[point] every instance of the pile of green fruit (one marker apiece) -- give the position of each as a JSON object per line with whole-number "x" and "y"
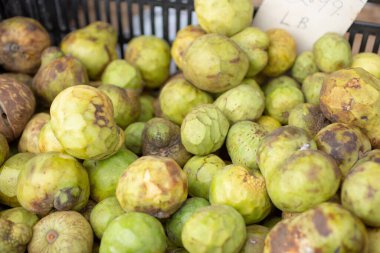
{"x": 248, "y": 148}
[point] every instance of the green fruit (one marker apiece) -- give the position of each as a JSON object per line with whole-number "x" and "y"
{"x": 344, "y": 143}
{"x": 13, "y": 237}
{"x": 268, "y": 123}
{"x": 151, "y": 56}
{"x": 133, "y": 137}
{"x": 367, "y": 61}
{"x": 243, "y": 140}
{"x": 154, "y": 185}
{"x": 373, "y": 155}
{"x": 9, "y": 174}
{"x": 306, "y": 179}
{"x": 215, "y": 63}
{"x": 311, "y": 87}
{"x": 279, "y": 145}
{"x": 308, "y": 117}
{"x": 304, "y": 66}
{"x": 361, "y": 192}
{"x": 103, "y": 214}
{"x": 126, "y": 104}
{"x": 182, "y": 41}
{"x": 325, "y": 228}
{"x": 82, "y": 119}
{"x": 29, "y": 138}
{"x": 134, "y": 232}
{"x": 254, "y": 43}
{"x": 49, "y": 55}
{"x": 204, "y": 130}
{"x": 242, "y": 189}
{"x": 200, "y": 170}
{"x": 174, "y": 225}
{"x": 282, "y": 52}
{"x": 47, "y": 142}
{"x": 373, "y": 240}
{"x": 181, "y": 93}
{"x": 212, "y": 229}
{"x": 244, "y": 102}
{"x": 104, "y": 174}
{"x": 332, "y": 52}
{"x": 255, "y": 239}
{"x": 122, "y": 74}
{"x": 22, "y": 41}
{"x": 4, "y": 149}
{"x": 52, "y": 180}
{"x": 20, "y": 215}
{"x": 147, "y": 110}
{"x": 161, "y": 137}
{"x": 63, "y": 232}
{"x": 224, "y": 17}
{"x": 352, "y": 96}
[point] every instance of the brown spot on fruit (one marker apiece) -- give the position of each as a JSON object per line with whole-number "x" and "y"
{"x": 370, "y": 192}
{"x": 354, "y": 83}
{"x": 320, "y": 223}
{"x": 51, "y": 236}
{"x": 235, "y": 60}
{"x": 284, "y": 240}
{"x": 60, "y": 67}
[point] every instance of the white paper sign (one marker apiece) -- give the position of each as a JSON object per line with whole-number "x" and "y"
{"x": 307, "y": 20}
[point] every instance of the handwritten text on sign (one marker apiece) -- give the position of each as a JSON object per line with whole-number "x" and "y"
{"x": 307, "y": 20}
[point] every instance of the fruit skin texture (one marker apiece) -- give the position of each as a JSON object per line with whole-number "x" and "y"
{"x": 367, "y": 61}
{"x": 134, "y": 232}
{"x": 244, "y": 102}
{"x": 268, "y": 123}
{"x": 47, "y": 142}
{"x": 204, "y": 130}
{"x": 147, "y": 110}
{"x": 306, "y": 179}
{"x": 184, "y": 38}
{"x": 17, "y": 107}
{"x": 255, "y": 239}
{"x": 345, "y": 143}
{"x": 53, "y": 180}
{"x": 161, "y": 137}
{"x": 311, "y": 87}
{"x": 22, "y": 41}
{"x": 174, "y": 225}
{"x": 243, "y": 140}
{"x": 4, "y": 149}
{"x": 154, "y": 185}
{"x": 151, "y": 56}
{"x": 332, "y": 52}
{"x": 216, "y": 228}
{"x": 82, "y": 119}
{"x": 242, "y": 189}
{"x": 282, "y": 52}
{"x": 133, "y": 137}
{"x": 104, "y": 174}
{"x": 304, "y": 66}
{"x": 224, "y": 17}
{"x": 325, "y": 228}
{"x": 103, "y": 214}
{"x": 181, "y": 93}
{"x": 20, "y": 215}
{"x": 122, "y": 74}
{"x": 64, "y": 232}
{"x": 14, "y": 237}
{"x": 215, "y": 63}
{"x": 9, "y": 174}
{"x": 352, "y": 96}
{"x": 361, "y": 192}
{"x": 373, "y": 240}
{"x": 200, "y": 170}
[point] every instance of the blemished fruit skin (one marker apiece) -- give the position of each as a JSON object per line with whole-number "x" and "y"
{"x": 29, "y": 139}
{"x": 14, "y": 236}
{"x": 255, "y": 239}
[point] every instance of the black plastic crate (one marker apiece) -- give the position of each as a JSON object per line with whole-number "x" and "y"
{"x": 135, "y": 17}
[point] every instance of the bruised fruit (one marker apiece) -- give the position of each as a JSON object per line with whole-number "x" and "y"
{"x": 216, "y": 228}
{"x": 255, "y": 239}
{"x": 154, "y": 185}
{"x": 311, "y": 87}
{"x": 200, "y": 171}
{"x": 47, "y": 142}
{"x": 304, "y": 66}
{"x": 268, "y": 123}
{"x": 29, "y": 138}
{"x": 20, "y": 215}
{"x": 14, "y": 237}
{"x": 367, "y": 61}
{"x": 133, "y": 137}
{"x": 22, "y": 41}
{"x": 215, "y": 63}
{"x": 19, "y": 77}
{"x": 64, "y": 232}
{"x": 70, "y": 189}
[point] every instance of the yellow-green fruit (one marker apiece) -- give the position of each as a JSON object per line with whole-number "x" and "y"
{"x": 204, "y": 130}
{"x": 4, "y": 149}
{"x": 367, "y": 61}
{"x": 181, "y": 93}
{"x": 183, "y": 40}
{"x": 304, "y": 180}
{"x": 254, "y": 43}
{"x": 47, "y": 142}
{"x": 304, "y": 66}
{"x": 282, "y": 52}
{"x": 224, "y": 17}
{"x": 373, "y": 240}
{"x": 14, "y": 237}
{"x": 332, "y": 52}
{"x": 147, "y": 110}
{"x": 20, "y": 215}
{"x": 82, "y": 119}
{"x": 133, "y": 137}
{"x": 352, "y": 96}
{"x": 242, "y": 189}
{"x": 215, "y": 63}
{"x": 326, "y": 228}
{"x": 268, "y": 123}
{"x": 53, "y": 180}
{"x": 311, "y": 87}
{"x": 151, "y": 56}
{"x": 154, "y": 185}
{"x": 29, "y": 138}
{"x": 9, "y": 174}
{"x": 373, "y": 155}
{"x": 255, "y": 239}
